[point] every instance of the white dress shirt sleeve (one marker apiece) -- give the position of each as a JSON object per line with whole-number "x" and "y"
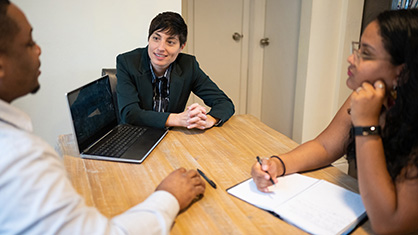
{"x": 36, "y": 196}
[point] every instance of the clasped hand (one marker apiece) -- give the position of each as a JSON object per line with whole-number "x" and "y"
{"x": 194, "y": 117}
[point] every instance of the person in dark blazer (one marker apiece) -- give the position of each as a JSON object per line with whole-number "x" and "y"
{"x": 155, "y": 82}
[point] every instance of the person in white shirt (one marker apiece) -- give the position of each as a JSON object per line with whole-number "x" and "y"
{"x": 36, "y": 196}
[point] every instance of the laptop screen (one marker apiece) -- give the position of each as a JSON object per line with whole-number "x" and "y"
{"x": 92, "y": 111}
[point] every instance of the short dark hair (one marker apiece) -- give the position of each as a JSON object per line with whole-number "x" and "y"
{"x": 171, "y": 22}
{"x": 8, "y": 28}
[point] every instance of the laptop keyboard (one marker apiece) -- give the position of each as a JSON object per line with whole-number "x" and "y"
{"x": 122, "y": 138}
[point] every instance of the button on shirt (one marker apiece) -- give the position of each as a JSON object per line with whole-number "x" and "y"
{"x": 36, "y": 196}
{"x": 161, "y": 86}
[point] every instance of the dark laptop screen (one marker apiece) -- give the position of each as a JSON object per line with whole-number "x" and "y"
{"x": 92, "y": 111}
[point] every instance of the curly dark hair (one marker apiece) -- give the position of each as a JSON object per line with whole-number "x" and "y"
{"x": 399, "y": 32}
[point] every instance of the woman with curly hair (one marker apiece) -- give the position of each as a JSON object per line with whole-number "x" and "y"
{"x": 377, "y": 126}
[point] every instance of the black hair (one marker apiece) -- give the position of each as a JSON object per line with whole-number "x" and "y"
{"x": 399, "y": 32}
{"x": 3, "y": 6}
{"x": 8, "y": 28}
{"x": 171, "y": 22}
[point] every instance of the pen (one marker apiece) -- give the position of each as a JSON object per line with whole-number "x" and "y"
{"x": 259, "y": 161}
{"x": 207, "y": 179}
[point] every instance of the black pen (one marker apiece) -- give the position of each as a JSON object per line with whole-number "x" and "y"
{"x": 259, "y": 161}
{"x": 207, "y": 179}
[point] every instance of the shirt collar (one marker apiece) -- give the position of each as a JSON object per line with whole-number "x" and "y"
{"x": 166, "y": 73}
{"x": 14, "y": 117}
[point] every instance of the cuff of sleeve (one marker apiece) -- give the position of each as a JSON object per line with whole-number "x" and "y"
{"x": 219, "y": 123}
{"x": 154, "y": 215}
{"x": 166, "y": 202}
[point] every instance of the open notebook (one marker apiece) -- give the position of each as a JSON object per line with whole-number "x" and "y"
{"x": 96, "y": 128}
{"x": 315, "y": 206}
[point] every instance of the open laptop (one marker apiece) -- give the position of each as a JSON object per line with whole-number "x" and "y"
{"x": 96, "y": 126}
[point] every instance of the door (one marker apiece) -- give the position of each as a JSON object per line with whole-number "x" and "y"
{"x": 280, "y": 64}
{"x": 270, "y": 76}
{"x": 217, "y": 39}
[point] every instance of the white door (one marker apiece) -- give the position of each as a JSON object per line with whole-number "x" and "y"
{"x": 212, "y": 25}
{"x": 280, "y": 64}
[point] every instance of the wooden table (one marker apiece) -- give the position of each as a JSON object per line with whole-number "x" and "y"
{"x": 225, "y": 154}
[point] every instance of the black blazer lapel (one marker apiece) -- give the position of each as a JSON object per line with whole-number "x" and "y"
{"x": 144, "y": 82}
{"x": 176, "y": 87}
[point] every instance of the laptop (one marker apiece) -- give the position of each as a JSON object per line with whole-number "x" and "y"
{"x": 97, "y": 132}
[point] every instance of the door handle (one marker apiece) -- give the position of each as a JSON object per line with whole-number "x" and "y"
{"x": 264, "y": 42}
{"x": 237, "y": 37}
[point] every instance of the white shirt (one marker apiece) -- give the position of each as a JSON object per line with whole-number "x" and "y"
{"x": 36, "y": 196}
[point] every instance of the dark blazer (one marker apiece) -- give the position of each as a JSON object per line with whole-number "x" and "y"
{"x": 135, "y": 91}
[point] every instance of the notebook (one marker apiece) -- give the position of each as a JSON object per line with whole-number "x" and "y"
{"x": 315, "y": 206}
{"x": 96, "y": 129}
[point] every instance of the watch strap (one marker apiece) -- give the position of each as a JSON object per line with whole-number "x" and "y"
{"x": 367, "y": 130}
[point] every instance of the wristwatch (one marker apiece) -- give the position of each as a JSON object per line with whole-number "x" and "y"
{"x": 367, "y": 130}
{"x": 218, "y": 123}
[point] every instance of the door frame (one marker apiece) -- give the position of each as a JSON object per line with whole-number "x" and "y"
{"x": 256, "y": 57}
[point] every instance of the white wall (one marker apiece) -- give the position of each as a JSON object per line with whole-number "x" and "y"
{"x": 326, "y": 31}
{"x": 78, "y": 38}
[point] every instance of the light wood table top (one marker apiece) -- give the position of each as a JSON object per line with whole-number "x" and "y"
{"x": 225, "y": 154}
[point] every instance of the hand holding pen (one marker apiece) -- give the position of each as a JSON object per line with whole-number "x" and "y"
{"x": 261, "y": 166}
{"x": 259, "y": 176}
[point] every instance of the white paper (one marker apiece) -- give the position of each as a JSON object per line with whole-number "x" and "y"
{"x": 316, "y": 206}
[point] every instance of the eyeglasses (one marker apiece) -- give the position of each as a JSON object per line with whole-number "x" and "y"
{"x": 359, "y": 54}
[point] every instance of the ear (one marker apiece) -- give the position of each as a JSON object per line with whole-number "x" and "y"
{"x": 182, "y": 46}
{"x": 399, "y": 70}
{"x": 2, "y": 66}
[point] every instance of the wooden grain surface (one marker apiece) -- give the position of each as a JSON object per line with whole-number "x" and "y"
{"x": 225, "y": 154}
